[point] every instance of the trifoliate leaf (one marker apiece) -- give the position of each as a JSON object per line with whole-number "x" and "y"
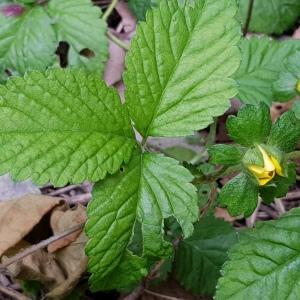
{"x": 27, "y": 42}
{"x": 140, "y": 7}
{"x": 265, "y": 264}
{"x": 285, "y": 133}
{"x": 279, "y": 186}
{"x": 78, "y": 23}
{"x": 179, "y": 66}
{"x": 252, "y": 125}
{"x": 262, "y": 61}
{"x": 285, "y": 88}
{"x": 240, "y": 195}
{"x": 271, "y": 16}
{"x": 150, "y": 189}
{"x": 200, "y": 257}
{"x": 62, "y": 126}
{"x": 225, "y": 154}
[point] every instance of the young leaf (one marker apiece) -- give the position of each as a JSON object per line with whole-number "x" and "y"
{"x": 265, "y": 263}
{"x": 27, "y": 42}
{"x": 285, "y": 88}
{"x": 150, "y": 189}
{"x": 200, "y": 257}
{"x": 140, "y": 7}
{"x": 262, "y": 61}
{"x": 62, "y": 126}
{"x": 285, "y": 133}
{"x": 78, "y": 23}
{"x": 240, "y": 195}
{"x": 271, "y": 16}
{"x": 179, "y": 66}
{"x": 225, "y": 154}
{"x": 251, "y": 125}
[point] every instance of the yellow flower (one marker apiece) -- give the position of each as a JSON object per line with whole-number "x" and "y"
{"x": 267, "y": 172}
{"x": 298, "y": 86}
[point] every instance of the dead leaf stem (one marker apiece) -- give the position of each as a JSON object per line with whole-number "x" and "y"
{"x": 40, "y": 245}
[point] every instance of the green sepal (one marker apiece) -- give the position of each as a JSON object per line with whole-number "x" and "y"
{"x": 240, "y": 195}
{"x": 226, "y": 155}
{"x": 251, "y": 126}
{"x": 279, "y": 186}
{"x": 253, "y": 156}
{"x": 285, "y": 133}
{"x": 285, "y": 88}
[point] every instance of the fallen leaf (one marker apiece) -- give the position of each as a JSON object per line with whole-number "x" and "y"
{"x": 18, "y": 217}
{"x": 297, "y": 34}
{"x": 61, "y": 220}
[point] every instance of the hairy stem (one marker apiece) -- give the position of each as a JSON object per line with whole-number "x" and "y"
{"x": 40, "y": 245}
{"x": 249, "y": 16}
{"x": 109, "y": 9}
{"x": 117, "y": 41}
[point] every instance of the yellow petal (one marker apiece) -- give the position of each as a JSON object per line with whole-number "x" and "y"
{"x": 268, "y": 164}
{"x": 277, "y": 166}
{"x": 256, "y": 170}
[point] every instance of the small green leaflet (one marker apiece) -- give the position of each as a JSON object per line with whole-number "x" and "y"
{"x": 79, "y": 24}
{"x": 200, "y": 257}
{"x": 240, "y": 195}
{"x": 179, "y": 66}
{"x": 150, "y": 189}
{"x": 21, "y": 38}
{"x": 266, "y": 262}
{"x": 29, "y": 41}
{"x": 252, "y": 125}
{"x": 271, "y": 16}
{"x": 225, "y": 154}
{"x": 62, "y": 126}
{"x": 285, "y": 88}
{"x": 262, "y": 61}
{"x": 140, "y": 7}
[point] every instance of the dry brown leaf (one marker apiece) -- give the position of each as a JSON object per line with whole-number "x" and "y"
{"x": 297, "y": 34}
{"x": 278, "y": 108}
{"x": 18, "y": 217}
{"x": 222, "y": 213}
{"x": 61, "y": 220}
{"x": 73, "y": 261}
{"x": 40, "y": 266}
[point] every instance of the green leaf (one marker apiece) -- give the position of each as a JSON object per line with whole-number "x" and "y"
{"x": 262, "y": 61}
{"x": 179, "y": 66}
{"x": 285, "y": 88}
{"x": 180, "y": 153}
{"x": 27, "y": 42}
{"x": 78, "y": 23}
{"x": 62, "y": 126}
{"x": 265, "y": 263}
{"x": 296, "y": 109}
{"x": 126, "y": 275}
{"x": 225, "y": 154}
{"x": 140, "y": 7}
{"x": 150, "y": 189}
{"x": 285, "y": 133}
{"x": 252, "y": 125}
{"x": 240, "y": 195}
{"x": 271, "y": 16}
{"x": 200, "y": 257}
{"x": 279, "y": 186}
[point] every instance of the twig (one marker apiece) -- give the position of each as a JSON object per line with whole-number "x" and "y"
{"x": 40, "y": 245}
{"x": 250, "y": 222}
{"x": 109, "y": 9}
{"x": 12, "y": 293}
{"x": 249, "y": 16}
{"x": 212, "y": 197}
{"x": 279, "y": 206}
{"x": 63, "y": 190}
{"x": 161, "y": 295}
{"x": 117, "y": 41}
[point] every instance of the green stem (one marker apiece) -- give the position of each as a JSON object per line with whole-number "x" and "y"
{"x": 117, "y": 41}
{"x": 211, "y": 138}
{"x": 109, "y": 9}
{"x": 249, "y": 16}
